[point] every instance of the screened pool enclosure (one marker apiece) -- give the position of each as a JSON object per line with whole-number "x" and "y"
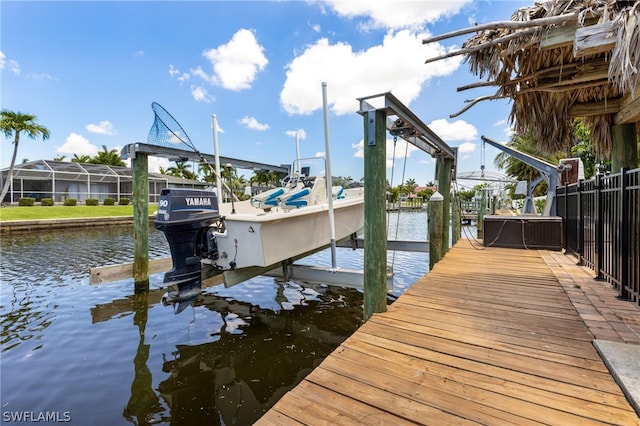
{"x": 61, "y": 179}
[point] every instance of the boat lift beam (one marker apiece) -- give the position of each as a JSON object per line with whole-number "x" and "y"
{"x": 407, "y": 126}
{"x": 131, "y": 150}
{"x": 549, "y": 172}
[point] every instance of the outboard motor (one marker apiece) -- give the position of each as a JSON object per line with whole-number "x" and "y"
{"x": 185, "y": 215}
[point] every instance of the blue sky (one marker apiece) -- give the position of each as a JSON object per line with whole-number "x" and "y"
{"x": 90, "y": 70}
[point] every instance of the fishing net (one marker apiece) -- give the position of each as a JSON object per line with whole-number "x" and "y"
{"x": 166, "y": 131}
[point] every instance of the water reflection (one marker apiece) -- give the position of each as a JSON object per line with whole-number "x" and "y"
{"x": 143, "y": 403}
{"x": 250, "y": 357}
{"x": 251, "y": 365}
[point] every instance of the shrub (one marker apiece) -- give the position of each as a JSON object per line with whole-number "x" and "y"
{"x": 70, "y": 201}
{"x": 92, "y": 202}
{"x": 26, "y": 201}
{"x": 46, "y": 202}
{"x": 124, "y": 202}
{"x": 109, "y": 201}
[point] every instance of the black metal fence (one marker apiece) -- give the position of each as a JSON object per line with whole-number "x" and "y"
{"x": 602, "y": 227}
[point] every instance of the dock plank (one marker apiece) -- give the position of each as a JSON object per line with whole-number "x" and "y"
{"x": 487, "y": 337}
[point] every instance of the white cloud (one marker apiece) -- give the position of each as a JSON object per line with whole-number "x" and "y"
{"x": 104, "y": 128}
{"x": 138, "y": 54}
{"x": 397, "y": 65}
{"x": 156, "y": 162}
{"x": 173, "y": 71}
{"x": 78, "y": 144}
{"x": 302, "y": 135}
{"x": 9, "y": 64}
{"x": 252, "y": 123}
{"x": 458, "y": 130}
{"x": 201, "y": 94}
{"x": 467, "y": 148}
{"x": 199, "y": 72}
{"x": 182, "y": 77}
{"x": 395, "y": 14}
{"x": 42, "y": 76}
{"x": 236, "y": 64}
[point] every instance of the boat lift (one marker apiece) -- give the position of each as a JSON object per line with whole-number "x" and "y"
{"x": 548, "y": 172}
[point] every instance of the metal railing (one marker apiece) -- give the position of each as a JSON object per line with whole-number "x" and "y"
{"x": 602, "y": 227}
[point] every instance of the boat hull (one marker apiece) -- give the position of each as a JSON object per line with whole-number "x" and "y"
{"x": 263, "y": 239}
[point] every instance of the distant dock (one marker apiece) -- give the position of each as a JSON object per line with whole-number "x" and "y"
{"x": 489, "y": 336}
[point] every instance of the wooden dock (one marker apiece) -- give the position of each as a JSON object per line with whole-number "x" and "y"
{"x": 486, "y": 337}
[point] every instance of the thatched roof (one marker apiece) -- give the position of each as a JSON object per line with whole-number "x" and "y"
{"x": 559, "y": 60}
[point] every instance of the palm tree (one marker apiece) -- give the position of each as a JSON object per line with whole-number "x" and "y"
{"x": 527, "y": 143}
{"x": 80, "y": 158}
{"x": 108, "y": 157}
{"x": 59, "y": 157}
{"x": 181, "y": 169}
{"x": 410, "y": 185}
{"x": 13, "y": 123}
{"x": 208, "y": 172}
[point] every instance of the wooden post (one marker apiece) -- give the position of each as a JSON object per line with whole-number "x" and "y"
{"x": 624, "y": 148}
{"x": 481, "y": 212}
{"x": 140, "y": 165}
{"x": 456, "y": 219}
{"x": 375, "y": 251}
{"x": 443, "y": 167}
{"x": 436, "y": 223}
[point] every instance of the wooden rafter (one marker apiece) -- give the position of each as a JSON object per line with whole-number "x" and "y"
{"x": 512, "y": 25}
{"x": 472, "y": 102}
{"x": 482, "y": 46}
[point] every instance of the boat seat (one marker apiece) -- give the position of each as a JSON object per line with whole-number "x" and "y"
{"x": 272, "y": 199}
{"x": 268, "y": 199}
{"x": 297, "y": 199}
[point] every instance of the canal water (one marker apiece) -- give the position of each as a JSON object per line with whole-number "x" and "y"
{"x": 99, "y": 355}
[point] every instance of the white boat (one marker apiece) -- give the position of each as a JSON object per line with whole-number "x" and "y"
{"x": 283, "y": 223}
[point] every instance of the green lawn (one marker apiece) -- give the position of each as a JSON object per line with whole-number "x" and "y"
{"x": 58, "y": 212}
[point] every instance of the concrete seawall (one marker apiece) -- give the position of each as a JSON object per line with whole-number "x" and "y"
{"x": 16, "y": 226}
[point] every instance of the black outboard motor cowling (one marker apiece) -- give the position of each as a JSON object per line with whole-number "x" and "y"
{"x": 184, "y": 215}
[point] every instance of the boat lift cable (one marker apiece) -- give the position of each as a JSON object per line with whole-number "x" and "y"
{"x": 482, "y": 158}
{"x": 404, "y": 169}
{"x": 393, "y": 168}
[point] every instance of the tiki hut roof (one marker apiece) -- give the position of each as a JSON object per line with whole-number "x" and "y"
{"x": 560, "y": 60}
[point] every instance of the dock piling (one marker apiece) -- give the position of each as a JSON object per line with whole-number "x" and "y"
{"x": 435, "y": 214}
{"x": 443, "y": 174}
{"x": 140, "y": 165}
{"x": 375, "y": 252}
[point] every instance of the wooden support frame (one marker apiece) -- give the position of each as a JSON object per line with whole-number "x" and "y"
{"x": 377, "y": 120}
{"x": 140, "y": 165}
{"x": 375, "y": 253}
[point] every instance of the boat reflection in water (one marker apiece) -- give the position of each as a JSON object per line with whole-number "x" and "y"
{"x": 253, "y": 357}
